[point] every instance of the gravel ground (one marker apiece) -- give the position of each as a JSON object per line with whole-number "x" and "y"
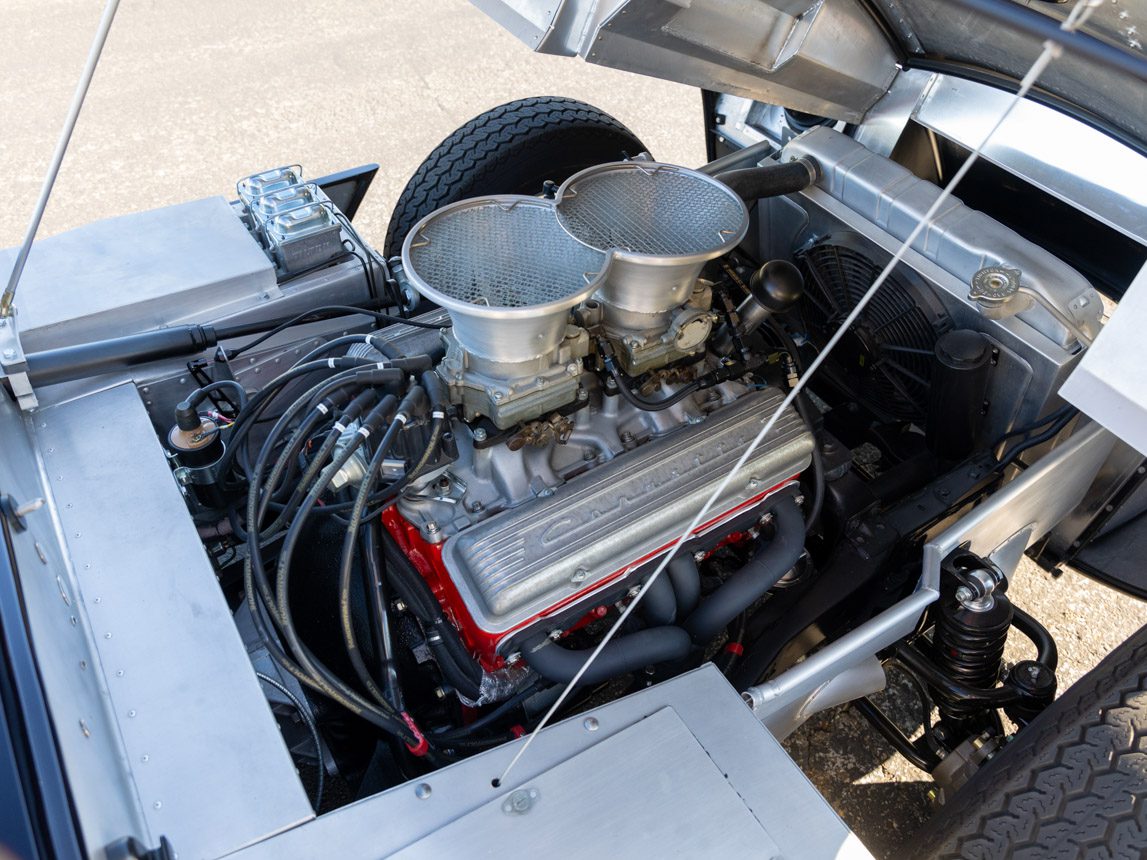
{"x": 190, "y": 97}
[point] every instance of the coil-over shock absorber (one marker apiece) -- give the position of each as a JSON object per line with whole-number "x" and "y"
{"x": 972, "y": 625}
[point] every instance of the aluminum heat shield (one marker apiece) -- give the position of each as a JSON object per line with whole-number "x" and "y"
{"x": 525, "y": 563}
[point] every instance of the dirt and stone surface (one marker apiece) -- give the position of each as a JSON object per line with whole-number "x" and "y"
{"x": 191, "y": 97}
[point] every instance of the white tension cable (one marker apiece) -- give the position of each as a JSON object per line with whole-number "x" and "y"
{"x": 1079, "y": 14}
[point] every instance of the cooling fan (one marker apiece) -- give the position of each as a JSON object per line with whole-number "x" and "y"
{"x": 885, "y": 360}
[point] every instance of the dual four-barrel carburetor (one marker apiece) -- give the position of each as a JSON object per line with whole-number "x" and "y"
{"x": 620, "y": 245}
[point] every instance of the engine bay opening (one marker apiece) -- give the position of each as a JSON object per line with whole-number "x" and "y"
{"x": 425, "y": 524}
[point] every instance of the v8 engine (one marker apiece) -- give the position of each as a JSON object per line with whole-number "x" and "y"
{"x": 600, "y": 415}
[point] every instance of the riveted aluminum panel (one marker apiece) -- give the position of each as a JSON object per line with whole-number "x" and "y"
{"x": 686, "y": 809}
{"x": 796, "y": 819}
{"x": 200, "y": 749}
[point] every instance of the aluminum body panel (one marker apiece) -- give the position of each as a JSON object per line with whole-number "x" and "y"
{"x": 107, "y": 805}
{"x": 131, "y": 273}
{"x": 1108, "y": 384}
{"x": 1000, "y": 528}
{"x": 964, "y": 37}
{"x": 826, "y": 57}
{"x": 960, "y": 240}
{"x": 523, "y": 562}
{"x": 797, "y": 819}
{"x": 202, "y": 753}
{"x": 1072, "y": 161}
{"x": 686, "y": 810}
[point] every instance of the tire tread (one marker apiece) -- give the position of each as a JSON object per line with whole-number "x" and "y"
{"x": 487, "y": 147}
{"x": 1072, "y": 784}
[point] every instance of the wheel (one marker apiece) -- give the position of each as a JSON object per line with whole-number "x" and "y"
{"x": 511, "y": 149}
{"x": 1072, "y": 784}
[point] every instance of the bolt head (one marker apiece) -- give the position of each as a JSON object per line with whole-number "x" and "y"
{"x": 9, "y": 353}
{"x": 479, "y": 434}
{"x": 579, "y": 575}
{"x": 964, "y": 594}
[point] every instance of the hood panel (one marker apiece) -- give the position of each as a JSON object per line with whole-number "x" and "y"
{"x": 941, "y": 30}
{"x": 826, "y": 57}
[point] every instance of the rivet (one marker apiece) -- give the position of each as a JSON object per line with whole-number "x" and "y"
{"x": 422, "y": 791}
{"x": 131, "y": 713}
{"x": 591, "y": 724}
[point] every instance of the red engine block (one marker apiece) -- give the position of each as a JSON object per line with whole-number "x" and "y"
{"x": 427, "y": 559}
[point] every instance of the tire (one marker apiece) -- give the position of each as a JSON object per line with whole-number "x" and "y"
{"x": 1072, "y": 784}
{"x": 510, "y": 149}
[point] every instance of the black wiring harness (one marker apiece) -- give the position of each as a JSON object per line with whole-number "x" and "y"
{"x": 375, "y": 408}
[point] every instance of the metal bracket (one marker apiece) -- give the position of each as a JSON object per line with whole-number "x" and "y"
{"x": 13, "y": 366}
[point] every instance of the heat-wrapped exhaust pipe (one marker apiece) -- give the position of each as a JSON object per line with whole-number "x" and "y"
{"x": 760, "y": 573}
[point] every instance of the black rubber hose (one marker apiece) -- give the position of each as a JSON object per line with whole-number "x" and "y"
{"x": 199, "y": 394}
{"x": 488, "y": 719}
{"x": 660, "y": 603}
{"x": 643, "y": 403}
{"x": 760, "y": 573}
{"x": 1038, "y": 439}
{"x": 686, "y": 579}
{"x": 380, "y": 618}
{"x": 771, "y": 180}
{"x": 1046, "y": 652}
{"x": 623, "y": 654}
{"x": 454, "y": 672}
{"x": 410, "y": 585}
{"x": 804, "y": 409}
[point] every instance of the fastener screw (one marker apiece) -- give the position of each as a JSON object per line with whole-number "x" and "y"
{"x": 479, "y": 434}
{"x": 591, "y": 724}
